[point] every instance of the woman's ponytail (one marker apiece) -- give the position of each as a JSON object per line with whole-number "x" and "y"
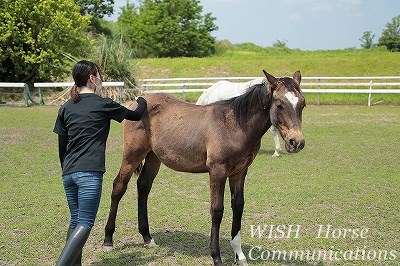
{"x": 74, "y": 93}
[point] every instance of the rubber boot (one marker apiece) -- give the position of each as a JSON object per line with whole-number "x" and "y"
{"x": 69, "y": 232}
{"x": 74, "y": 245}
{"x": 78, "y": 261}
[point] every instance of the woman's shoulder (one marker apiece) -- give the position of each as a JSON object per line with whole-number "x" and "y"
{"x": 66, "y": 104}
{"x": 92, "y": 100}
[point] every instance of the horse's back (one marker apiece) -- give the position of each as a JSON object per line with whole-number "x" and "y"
{"x": 221, "y": 90}
{"x": 224, "y": 90}
{"x": 166, "y": 112}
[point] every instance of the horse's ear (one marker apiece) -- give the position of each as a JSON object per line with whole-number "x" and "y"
{"x": 297, "y": 77}
{"x": 271, "y": 79}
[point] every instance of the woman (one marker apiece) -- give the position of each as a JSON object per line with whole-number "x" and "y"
{"x": 83, "y": 125}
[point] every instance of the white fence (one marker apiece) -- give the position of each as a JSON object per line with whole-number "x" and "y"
{"x": 319, "y": 85}
{"x": 43, "y": 85}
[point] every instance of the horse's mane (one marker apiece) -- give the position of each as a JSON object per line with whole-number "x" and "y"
{"x": 254, "y": 99}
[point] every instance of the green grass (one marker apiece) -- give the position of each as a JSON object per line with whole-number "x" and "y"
{"x": 347, "y": 176}
{"x": 279, "y": 62}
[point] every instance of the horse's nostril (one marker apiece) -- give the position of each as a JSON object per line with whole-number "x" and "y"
{"x": 300, "y": 146}
{"x": 296, "y": 145}
{"x": 292, "y": 143}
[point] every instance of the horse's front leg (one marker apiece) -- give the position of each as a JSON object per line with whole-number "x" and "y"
{"x": 275, "y": 136}
{"x": 217, "y": 186}
{"x": 236, "y": 184}
{"x": 144, "y": 184}
{"x": 120, "y": 185}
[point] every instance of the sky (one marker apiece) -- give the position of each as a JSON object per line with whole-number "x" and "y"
{"x": 301, "y": 24}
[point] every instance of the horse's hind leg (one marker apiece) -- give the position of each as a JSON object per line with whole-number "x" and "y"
{"x": 236, "y": 184}
{"x": 144, "y": 184}
{"x": 120, "y": 185}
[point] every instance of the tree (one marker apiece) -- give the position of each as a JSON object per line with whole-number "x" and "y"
{"x": 391, "y": 35}
{"x": 97, "y": 9}
{"x": 169, "y": 28}
{"x": 280, "y": 44}
{"x": 367, "y": 40}
{"x": 36, "y": 35}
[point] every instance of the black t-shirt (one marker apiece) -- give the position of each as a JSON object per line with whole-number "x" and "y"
{"x": 86, "y": 125}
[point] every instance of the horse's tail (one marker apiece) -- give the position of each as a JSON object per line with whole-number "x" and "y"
{"x": 138, "y": 169}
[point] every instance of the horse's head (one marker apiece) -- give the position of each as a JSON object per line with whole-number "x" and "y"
{"x": 286, "y": 109}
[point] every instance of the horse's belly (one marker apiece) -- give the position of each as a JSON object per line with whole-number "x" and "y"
{"x": 186, "y": 167}
{"x": 186, "y": 161}
{"x": 182, "y": 165}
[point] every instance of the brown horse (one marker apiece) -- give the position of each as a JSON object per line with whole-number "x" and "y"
{"x": 222, "y": 139}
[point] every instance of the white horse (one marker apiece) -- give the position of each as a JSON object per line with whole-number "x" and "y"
{"x": 224, "y": 90}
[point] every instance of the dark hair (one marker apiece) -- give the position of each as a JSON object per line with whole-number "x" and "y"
{"x": 81, "y": 73}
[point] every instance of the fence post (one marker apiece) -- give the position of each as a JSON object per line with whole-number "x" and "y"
{"x": 319, "y": 87}
{"x": 184, "y": 92}
{"x": 41, "y": 101}
{"x": 27, "y": 95}
{"x": 369, "y": 95}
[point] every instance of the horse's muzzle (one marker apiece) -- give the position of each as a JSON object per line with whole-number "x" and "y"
{"x": 294, "y": 145}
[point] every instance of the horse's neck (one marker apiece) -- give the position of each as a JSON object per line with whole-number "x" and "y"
{"x": 258, "y": 124}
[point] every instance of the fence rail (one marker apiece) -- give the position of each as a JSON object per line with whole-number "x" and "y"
{"x": 43, "y": 85}
{"x": 318, "y": 85}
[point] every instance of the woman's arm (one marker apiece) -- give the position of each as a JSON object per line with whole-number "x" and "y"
{"x": 62, "y": 148}
{"x": 136, "y": 114}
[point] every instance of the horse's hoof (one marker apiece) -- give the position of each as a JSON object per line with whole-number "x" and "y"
{"x": 242, "y": 262}
{"x": 107, "y": 248}
{"x": 276, "y": 155}
{"x": 218, "y": 263}
{"x": 151, "y": 244}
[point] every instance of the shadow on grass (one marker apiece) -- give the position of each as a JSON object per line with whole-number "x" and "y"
{"x": 190, "y": 245}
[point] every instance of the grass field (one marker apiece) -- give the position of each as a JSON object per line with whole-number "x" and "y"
{"x": 248, "y": 62}
{"x": 347, "y": 176}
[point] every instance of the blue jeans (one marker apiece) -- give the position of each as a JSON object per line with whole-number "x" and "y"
{"x": 83, "y": 191}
